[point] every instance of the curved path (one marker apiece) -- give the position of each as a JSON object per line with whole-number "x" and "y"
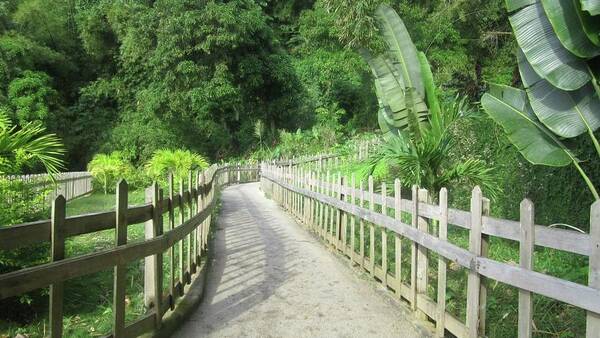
{"x": 272, "y": 278}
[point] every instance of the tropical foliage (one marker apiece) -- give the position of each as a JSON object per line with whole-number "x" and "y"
{"x": 26, "y": 146}
{"x": 176, "y": 162}
{"x": 417, "y": 130}
{"x": 107, "y": 169}
{"x": 561, "y": 99}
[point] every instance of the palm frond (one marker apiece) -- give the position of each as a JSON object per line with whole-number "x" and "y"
{"x": 29, "y": 145}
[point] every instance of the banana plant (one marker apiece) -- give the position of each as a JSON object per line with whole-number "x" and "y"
{"x": 416, "y": 127}
{"x": 558, "y": 58}
{"x": 403, "y": 79}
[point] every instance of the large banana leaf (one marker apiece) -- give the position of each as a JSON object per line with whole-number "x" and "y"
{"x": 509, "y": 107}
{"x": 513, "y": 5}
{"x": 569, "y": 27}
{"x": 592, "y": 6}
{"x": 430, "y": 92}
{"x": 401, "y": 47}
{"x": 566, "y": 113}
{"x": 550, "y": 59}
{"x": 400, "y": 107}
{"x": 591, "y": 25}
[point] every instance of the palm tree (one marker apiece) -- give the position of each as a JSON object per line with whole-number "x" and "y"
{"x": 28, "y": 145}
{"x": 427, "y": 160}
{"x": 107, "y": 168}
{"x": 179, "y": 162}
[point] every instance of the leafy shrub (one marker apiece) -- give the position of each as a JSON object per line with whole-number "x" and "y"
{"x": 107, "y": 169}
{"x": 179, "y": 162}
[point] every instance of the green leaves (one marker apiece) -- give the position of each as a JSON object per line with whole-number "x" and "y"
{"x": 566, "y": 113}
{"x": 179, "y": 162}
{"x": 401, "y": 48}
{"x": 591, "y": 6}
{"x": 403, "y": 80}
{"x": 509, "y": 107}
{"x": 567, "y": 22}
{"x": 430, "y": 91}
{"x": 28, "y": 145}
{"x": 543, "y": 49}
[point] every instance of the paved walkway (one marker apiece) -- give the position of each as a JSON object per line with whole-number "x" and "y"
{"x": 272, "y": 278}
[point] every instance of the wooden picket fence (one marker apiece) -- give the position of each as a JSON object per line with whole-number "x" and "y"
{"x": 341, "y": 213}
{"x": 69, "y": 184}
{"x": 198, "y": 200}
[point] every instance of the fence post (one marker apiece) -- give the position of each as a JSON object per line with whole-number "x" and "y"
{"x": 149, "y": 267}
{"x": 362, "y": 226}
{"x": 182, "y": 277}
{"x": 384, "y": 262}
{"x": 58, "y": 253}
{"x": 121, "y": 269}
{"x": 485, "y": 243}
{"x": 397, "y": 240}
{"x": 371, "y": 228}
{"x": 413, "y": 249}
{"x": 442, "y": 265}
{"x": 171, "y": 207}
{"x": 593, "y": 319}
{"x": 338, "y": 218}
{"x": 474, "y": 279}
{"x": 157, "y": 220}
{"x": 422, "y": 253}
{"x": 353, "y": 221}
{"x": 526, "y": 247}
{"x": 190, "y": 266}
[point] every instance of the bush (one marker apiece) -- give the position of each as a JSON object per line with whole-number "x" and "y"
{"x": 107, "y": 170}
{"x": 179, "y": 162}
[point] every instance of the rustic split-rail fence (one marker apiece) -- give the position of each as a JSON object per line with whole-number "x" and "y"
{"x": 353, "y": 218}
{"x": 342, "y": 211}
{"x": 188, "y": 241}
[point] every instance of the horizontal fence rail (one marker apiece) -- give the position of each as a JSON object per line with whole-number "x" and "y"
{"x": 342, "y": 215}
{"x": 197, "y": 200}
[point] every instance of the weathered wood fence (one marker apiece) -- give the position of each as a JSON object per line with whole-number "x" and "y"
{"x": 341, "y": 213}
{"x": 190, "y": 235}
{"x": 70, "y": 184}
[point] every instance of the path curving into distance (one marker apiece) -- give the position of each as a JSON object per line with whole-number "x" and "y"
{"x": 271, "y": 278}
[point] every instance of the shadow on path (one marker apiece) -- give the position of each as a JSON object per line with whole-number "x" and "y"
{"x": 270, "y": 278}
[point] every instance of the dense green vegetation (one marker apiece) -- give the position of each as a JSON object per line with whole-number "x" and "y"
{"x": 138, "y": 89}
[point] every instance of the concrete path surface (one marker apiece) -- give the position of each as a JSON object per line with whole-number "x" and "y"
{"x": 272, "y": 278}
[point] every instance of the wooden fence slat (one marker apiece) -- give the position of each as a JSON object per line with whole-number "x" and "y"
{"x": 384, "y": 262}
{"x": 172, "y": 293}
{"x": 474, "y": 279}
{"x": 157, "y": 259}
{"x": 397, "y": 240}
{"x": 182, "y": 275}
{"x": 485, "y": 243}
{"x": 413, "y": 249}
{"x": 442, "y": 266}
{"x": 353, "y": 222}
{"x": 593, "y": 319}
{"x": 371, "y": 229}
{"x": 526, "y": 247}
{"x": 362, "y": 226}
{"x": 422, "y": 252}
{"x": 120, "y": 269}
{"x": 57, "y": 253}
{"x": 190, "y": 266}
